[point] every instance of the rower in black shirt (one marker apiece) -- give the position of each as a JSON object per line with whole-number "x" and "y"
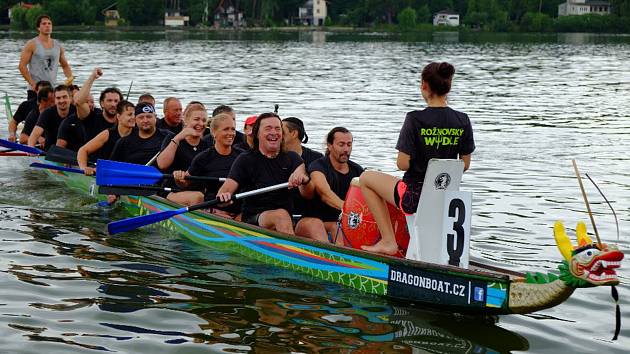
{"x": 294, "y": 135}
{"x": 24, "y": 109}
{"x": 45, "y": 99}
{"x": 262, "y": 166}
{"x": 50, "y": 119}
{"x": 144, "y": 142}
{"x": 179, "y": 150}
{"x": 213, "y": 162}
{"x": 172, "y": 120}
{"x": 102, "y": 145}
{"x": 331, "y": 176}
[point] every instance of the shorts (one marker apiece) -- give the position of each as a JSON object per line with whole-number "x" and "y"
{"x": 407, "y": 196}
{"x": 251, "y": 219}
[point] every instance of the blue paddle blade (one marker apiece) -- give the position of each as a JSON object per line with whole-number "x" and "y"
{"x": 16, "y": 146}
{"x": 114, "y": 173}
{"x": 55, "y": 167}
{"x": 139, "y": 221}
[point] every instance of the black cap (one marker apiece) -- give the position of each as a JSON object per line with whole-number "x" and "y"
{"x": 301, "y": 131}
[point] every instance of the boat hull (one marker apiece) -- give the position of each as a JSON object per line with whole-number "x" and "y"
{"x": 412, "y": 282}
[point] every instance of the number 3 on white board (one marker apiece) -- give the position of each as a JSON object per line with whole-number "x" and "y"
{"x": 457, "y": 228}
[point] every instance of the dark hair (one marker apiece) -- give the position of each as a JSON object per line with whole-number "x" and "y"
{"x": 146, "y": 96}
{"x": 43, "y": 93}
{"x": 110, "y": 90}
{"x": 123, "y": 105}
{"x": 294, "y": 123}
{"x": 40, "y": 18}
{"x": 74, "y": 87}
{"x": 330, "y": 138}
{"x": 42, "y": 83}
{"x": 222, "y": 109}
{"x": 63, "y": 88}
{"x": 256, "y": 126}
{"x": 439, "y": 77}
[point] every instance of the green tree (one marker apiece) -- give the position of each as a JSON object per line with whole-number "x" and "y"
{"x": 424, "y": 14}
{"x": 407, "y": 19}
{"x": 142, "y": 12}
{"x": 18, "y": 18}
{"x": 32, "y": 14}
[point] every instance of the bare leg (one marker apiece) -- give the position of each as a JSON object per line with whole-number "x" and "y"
{"x": 186, "y": 198}
{"x": 277, "y": 219}
{"x": 312, "y": 228}
{"x": 378, "y": 188}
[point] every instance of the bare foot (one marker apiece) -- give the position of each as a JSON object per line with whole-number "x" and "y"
{"x": 383, "y": 247}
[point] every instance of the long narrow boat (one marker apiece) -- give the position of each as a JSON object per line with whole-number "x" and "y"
{"x": 482, "y": 289}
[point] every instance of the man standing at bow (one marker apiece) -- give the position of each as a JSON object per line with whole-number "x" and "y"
{"x": 42, "y": 56}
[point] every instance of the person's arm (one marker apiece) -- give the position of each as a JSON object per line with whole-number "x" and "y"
{"x": 83, "y": 108}
{"x": 61, "y": 143}
{"x": 67, "y": 71}
{"x": 403, "y": 161}
{"x": 89, "y": 148}
{"x": 169, "y": 148}
{"x": 228, "y": 188}
{"x": 12, "y": 129}
{"x": 34, "y": 137}
{"x": 299, "y": 178}
{"x": 25, "y": 58}
{"x": 323, "y": 189}
{"x": 466, "y": 159}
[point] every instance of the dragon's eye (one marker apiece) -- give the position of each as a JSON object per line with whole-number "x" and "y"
{"x": 587, "y": 255}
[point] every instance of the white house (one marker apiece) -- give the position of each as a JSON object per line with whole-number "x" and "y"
{"x": 172, "y": 16}
{"x": 313, "y": 13}
{"x": 446, "y": 18}
{"x": 583, "y": 7}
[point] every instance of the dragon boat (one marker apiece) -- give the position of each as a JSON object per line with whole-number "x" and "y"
{"x": 481, "y": 289}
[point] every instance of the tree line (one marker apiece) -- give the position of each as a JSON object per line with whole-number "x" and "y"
{"x": 402, "y": 15}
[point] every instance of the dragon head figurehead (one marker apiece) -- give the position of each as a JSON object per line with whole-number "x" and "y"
{"x": 587, "y": 264}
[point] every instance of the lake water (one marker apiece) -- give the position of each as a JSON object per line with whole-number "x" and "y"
{"x": 535, "y": 102}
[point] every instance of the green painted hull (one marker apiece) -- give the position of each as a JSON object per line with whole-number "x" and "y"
{"x": 484, "y": 290}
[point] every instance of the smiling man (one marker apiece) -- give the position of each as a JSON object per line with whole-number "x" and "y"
{"x": 172, "y": 120}
{"x": 49, "y": 120}
{"x": 266, "y": 164}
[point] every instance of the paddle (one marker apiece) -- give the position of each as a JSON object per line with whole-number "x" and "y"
{"x": 134, "y": 190}
{"x": 115, "y": 173}
{"x": 7, "y": 107}
{"x": 55, "y": 167}
{"x": 55, "y": 153}
{"x": 9, "y": 153}
{"x": 139, "y": 221}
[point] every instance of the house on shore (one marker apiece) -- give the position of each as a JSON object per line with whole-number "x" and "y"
{"x": 227, "y": 14}
{"x": 446, "y": 18}
{"x": 583, "y": 7}
{"x": 111, "y": 15}
{"x": 313, "y": 13}
{"x": 173, "y": 16}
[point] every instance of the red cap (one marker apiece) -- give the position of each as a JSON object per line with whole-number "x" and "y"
{"x": 251, "y": 120}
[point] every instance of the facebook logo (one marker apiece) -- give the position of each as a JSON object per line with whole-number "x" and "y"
{"x": 479, "y": 292}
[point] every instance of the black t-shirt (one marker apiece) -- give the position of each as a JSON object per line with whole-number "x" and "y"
{"x": 133, "y": 149}
{"x": 252, "y": 170}
{"x": 105, "y": 152}
{"x": 95, "y": 123}
{"x": 161, "y": 124}
{"x": 30, "y": 121}
{"x": 71, "y": 130}
{"x": 435, "y": 132}
{"x": 49, "y": 120}
{"x": 339, "y": 183}
{"x": 24, "y": 109}
{"x": 184, "y": 154}
{"x": 302, "y": 206}
{"x": 212, "y": 164}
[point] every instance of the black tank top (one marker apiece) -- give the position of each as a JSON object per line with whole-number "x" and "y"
{"x": 106, "y": 151}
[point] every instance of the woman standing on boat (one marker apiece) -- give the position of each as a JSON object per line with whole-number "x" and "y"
{"x": 437, "y": 131}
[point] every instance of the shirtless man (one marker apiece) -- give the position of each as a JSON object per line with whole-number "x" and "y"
{"x": 42, "y": 55}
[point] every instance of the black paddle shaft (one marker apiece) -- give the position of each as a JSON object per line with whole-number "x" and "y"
{"x": 198, "y": 178}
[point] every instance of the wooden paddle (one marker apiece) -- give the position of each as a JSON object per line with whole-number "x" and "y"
{"x": 139, "y": 221}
